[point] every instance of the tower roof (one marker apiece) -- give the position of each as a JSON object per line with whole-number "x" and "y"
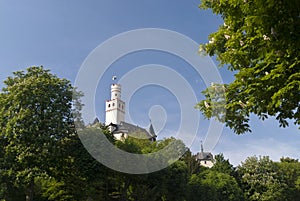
{"x": 96, "y": 120}
{"x": 204, "y": 155}
{"x": 151, "y": 130}
{"x": 132, "y": 130}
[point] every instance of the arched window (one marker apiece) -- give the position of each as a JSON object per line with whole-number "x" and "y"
{"x": 108, "y": 105}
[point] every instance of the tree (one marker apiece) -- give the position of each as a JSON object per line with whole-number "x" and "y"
{"x": 176, "y": 180}
{"x": 260, "y": 42}
{"x": 289, "y": 169}
{"x": 192, "y": 164}
{"x": 261, "y": 179}
{"x": 222, "y": 165}
{"x": 215, "y": 186}
{"x": 36, "y": 126}
{"x": 166, "y": 184}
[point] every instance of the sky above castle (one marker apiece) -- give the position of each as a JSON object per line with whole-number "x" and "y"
{"x": 61, "y": 34}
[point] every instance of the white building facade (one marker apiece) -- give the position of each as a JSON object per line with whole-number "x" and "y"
{"x": 115, "y": 107}
{"x": 205, "y": 159}
{"x": 115, "y": 118}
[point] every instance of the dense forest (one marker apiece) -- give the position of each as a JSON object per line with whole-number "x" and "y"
{"x": 42, "y": 157}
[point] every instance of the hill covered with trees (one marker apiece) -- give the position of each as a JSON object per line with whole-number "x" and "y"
{"x": 42, "y": 157}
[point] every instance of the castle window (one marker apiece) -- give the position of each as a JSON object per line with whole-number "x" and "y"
{"x": 119, "y": 105}
{"x": 115, "y": 94}
{"x": 113, "y": 104}
{"x": 108, "y": 105}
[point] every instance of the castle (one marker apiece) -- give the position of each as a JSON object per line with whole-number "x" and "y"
{"x": 115, "y": 119}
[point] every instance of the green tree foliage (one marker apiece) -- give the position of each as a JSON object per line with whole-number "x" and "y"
{"x": 261, "y": 180}
{"x": 260, "y": 42}
{"x": 191, "y": 163}
{"x": 167, "y": 184}
{"x": 48, "y": 188}
{"x": 42, "y": 157}
{"x": 223, "y": 165}
{"x": 290, "y": 171}
{"x": 176, "y": 180}
{"x": 214, "y": 186}
{"x": 36, "y": 126}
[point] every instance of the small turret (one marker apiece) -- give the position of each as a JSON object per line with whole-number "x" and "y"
{"x": 115, "y": 91}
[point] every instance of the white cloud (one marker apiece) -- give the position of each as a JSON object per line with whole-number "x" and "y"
{"x": 238, "y": 150}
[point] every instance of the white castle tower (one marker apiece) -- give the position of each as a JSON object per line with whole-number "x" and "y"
{"x": 115, "y": 107}
{"x": 115, "y": 118}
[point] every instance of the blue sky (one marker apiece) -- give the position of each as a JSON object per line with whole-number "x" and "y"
{"x": 60, "y": 34}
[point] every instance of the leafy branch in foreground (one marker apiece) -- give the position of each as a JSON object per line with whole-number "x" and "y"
{"x": 260, "y": 42}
